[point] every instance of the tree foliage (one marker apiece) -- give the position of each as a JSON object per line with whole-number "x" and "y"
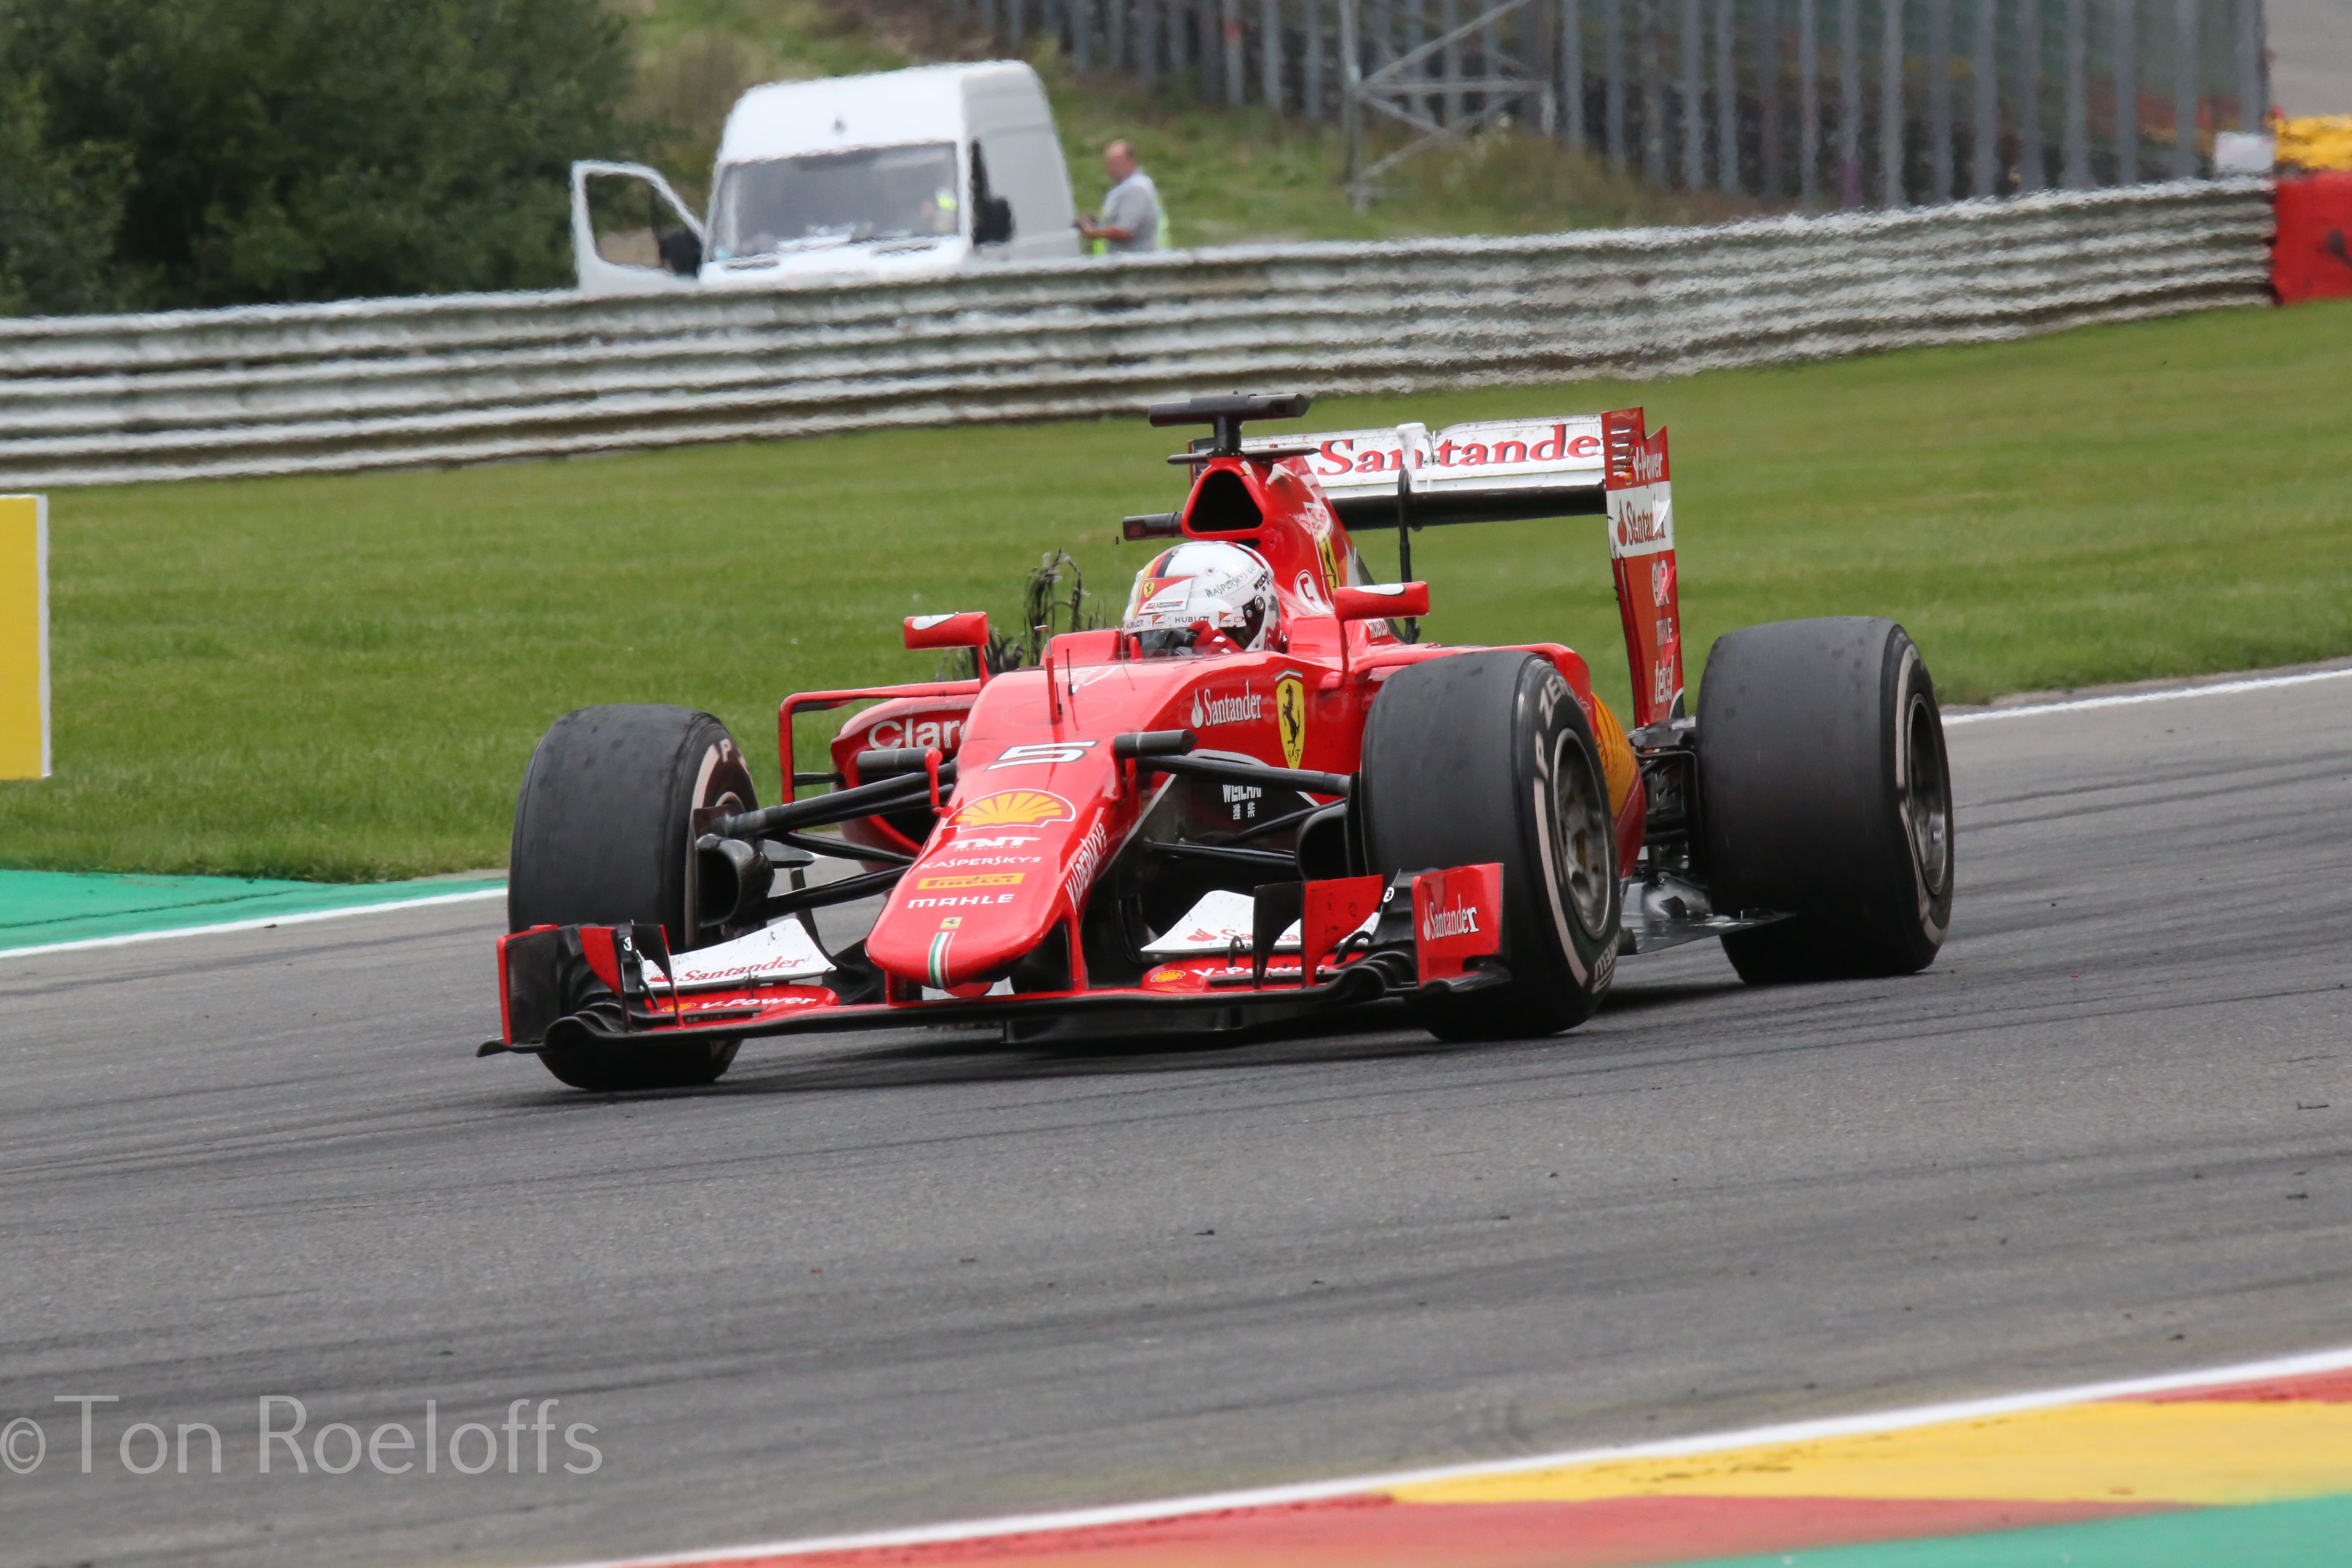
{"x": 176, "y": 153}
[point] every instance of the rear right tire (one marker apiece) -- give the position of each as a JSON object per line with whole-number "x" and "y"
{"x": 1825, "y": 792}
{"x": 603, "y": 834}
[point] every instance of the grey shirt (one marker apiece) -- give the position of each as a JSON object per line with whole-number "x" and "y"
{"x": 1133, "y": 204}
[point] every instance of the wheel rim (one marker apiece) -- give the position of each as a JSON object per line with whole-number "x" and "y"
{"x": 1926, "y": 796}
{"x": 1581, "y": 860}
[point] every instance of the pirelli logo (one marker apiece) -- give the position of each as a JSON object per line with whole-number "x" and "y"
{"x": 979, "y": 879}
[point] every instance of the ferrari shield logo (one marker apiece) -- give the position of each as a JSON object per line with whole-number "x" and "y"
{"x": 1330, "y": 559}
{"x": 1290, "y": 715}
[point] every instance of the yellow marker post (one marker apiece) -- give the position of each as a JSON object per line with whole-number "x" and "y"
{"x": 24, "y": 637}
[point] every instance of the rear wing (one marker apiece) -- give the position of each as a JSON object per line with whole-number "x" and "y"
{"x": 1495, "y": 471}
{"x": 1502, "y": 470}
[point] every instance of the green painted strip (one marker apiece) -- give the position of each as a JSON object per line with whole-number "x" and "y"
{"x": 38, "y": 909}
{"x": 2316, "y": 1533}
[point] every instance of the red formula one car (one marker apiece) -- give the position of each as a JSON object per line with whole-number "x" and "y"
{"x": 1256, "y": 798}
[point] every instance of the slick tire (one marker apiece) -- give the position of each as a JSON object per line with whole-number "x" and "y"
{"x": 1486, "y": 757}
{"x": 602, "y": 834}
{"x": 1824, "y": 792}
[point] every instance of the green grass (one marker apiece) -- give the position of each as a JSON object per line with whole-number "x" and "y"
{"x": 1225, "y": 176}
{"x": 342, "y": 677}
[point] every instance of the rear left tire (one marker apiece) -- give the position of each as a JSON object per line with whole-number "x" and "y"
{"x": 603, "y": 834}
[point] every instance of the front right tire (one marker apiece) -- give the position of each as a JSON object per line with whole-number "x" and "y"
{"x": 604, "y": 834}
{"x": 1479, "y": 757}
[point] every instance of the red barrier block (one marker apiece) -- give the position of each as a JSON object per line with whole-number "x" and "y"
{"x": 2312, "y": 258}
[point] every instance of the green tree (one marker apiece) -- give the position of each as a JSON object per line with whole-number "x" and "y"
{"x": 245, "y": 150}
{"x": 59, "y": 209}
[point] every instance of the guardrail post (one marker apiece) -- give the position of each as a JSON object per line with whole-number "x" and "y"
{"x": 1726, "y": 96}
{"x": 1693, "y": 114}
{"x": 1940, "y": 101}
{"x": 1269, "y": 54}
{"x": 1237, "y": 77}
{"x": 1849, "y": 139}
{"x": 1449, "y": 68}
{"x": 25, "y": 638}
{"x": 1612, "y": 82}
{"x": 2127, "y": 75}
{"x": 1351, "y": 105}
{"x": 1809, "y": 107}
{"x": 1646, "y": 44}
{"x": 2032, "y": 166}
{"x": 1892, "y": 191}
{"x": 1771, "y": 168}
{"x": 2253, "y": 71}
{"x": 2186, "y": 48}
{"x": 1571, "y": 75}
{"x": 2077, "y": 164}
{"x": 1984, "y": 140}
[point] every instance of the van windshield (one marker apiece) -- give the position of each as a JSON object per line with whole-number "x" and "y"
{"x": 873, "y": 193}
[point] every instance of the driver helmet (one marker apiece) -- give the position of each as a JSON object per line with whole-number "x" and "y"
{"x": 1201, "y": 598}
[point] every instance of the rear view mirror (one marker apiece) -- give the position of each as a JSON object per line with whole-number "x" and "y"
{"x": 1379, "y": 601}
{"x": 968, "y": 629}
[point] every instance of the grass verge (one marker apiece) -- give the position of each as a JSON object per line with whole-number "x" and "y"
{"x": 342, "y": 677}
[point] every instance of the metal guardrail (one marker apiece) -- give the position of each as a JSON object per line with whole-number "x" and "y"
{"x": 466, "y": 378}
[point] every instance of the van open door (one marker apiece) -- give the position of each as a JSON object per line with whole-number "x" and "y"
{"x": 630, "y": 231}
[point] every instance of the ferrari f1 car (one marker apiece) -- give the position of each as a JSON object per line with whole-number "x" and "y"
{"x": 1257, "y": 797}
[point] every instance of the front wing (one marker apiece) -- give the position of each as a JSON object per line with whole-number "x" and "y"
{"x": 1360, "y": 939}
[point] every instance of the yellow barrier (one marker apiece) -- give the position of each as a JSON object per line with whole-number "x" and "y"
{"x": 2321, "y": 142}
{"x": 24, "y": 637}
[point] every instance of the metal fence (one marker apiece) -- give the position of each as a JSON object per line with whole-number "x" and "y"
{"x": 1817, "y": 102}
{"x": 370, "y": 383}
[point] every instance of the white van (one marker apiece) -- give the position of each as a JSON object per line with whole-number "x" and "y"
{"x": 906, "y": 174}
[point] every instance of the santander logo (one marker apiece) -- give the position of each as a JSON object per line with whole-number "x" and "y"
{"x": 1209, "y": 712}
{"x": 1460, "y": 920}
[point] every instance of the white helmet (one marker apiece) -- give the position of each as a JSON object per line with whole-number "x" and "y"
{"x": 1201, "y": 597}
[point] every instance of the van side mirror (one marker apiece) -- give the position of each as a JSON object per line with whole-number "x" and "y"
{"x": 681, "y": 250}
{"x": 991, "y": 224}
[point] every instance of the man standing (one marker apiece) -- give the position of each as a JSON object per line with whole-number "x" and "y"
{"x": 1130, "y": 217}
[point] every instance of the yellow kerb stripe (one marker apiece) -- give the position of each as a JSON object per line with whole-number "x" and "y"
{"x": 24, "y": 641}
{"x": 2203, "y": 1453}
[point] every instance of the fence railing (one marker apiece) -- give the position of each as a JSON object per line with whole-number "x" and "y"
{"x": 1817, "y": 102}
{"x": 370, "y": 383}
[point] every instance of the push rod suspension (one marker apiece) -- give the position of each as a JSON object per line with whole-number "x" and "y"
{"x": 841, "y": 806}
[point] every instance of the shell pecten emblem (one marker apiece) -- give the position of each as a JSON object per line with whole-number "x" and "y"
{"x": 1011, "y": 809}
{"x": 1290, "y": 715}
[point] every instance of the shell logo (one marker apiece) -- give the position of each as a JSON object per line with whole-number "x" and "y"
{"x": 1011, "y": 808}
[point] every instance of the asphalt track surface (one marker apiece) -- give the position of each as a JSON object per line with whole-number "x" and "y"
{"x": 873, "y": 1281}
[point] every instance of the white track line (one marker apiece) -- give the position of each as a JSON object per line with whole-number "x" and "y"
{"x": 2216, "y": 690}
{"x": 1318, "y": 1491}
{"x": 2170, "y": 694}
{"x": 259, "y": 922}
